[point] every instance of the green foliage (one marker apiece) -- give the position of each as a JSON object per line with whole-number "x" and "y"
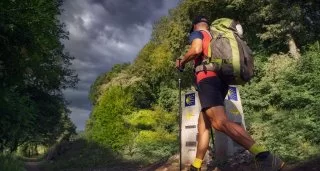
{"x": 143, "y": 119}
{"x": 282, "y": 106}
{"x": 34, "y": 68}
{"x": 12, "y": 163}
{"x": 168, "y": 99}
{"x": 115, "y": 124}
{"x": 156, "y": 145}
{"x": 14, "y": 128}
{"x": 287, "y": 133}
{"x": 280, "y": 18}
{"x": 108, "y": 127}
{"x": 156, "y": 135}
{"x": 31, "y": 151}
{"x": 143, "y": 95}
{"x": 95, "y": 91}
{"x": 156, "y": 119}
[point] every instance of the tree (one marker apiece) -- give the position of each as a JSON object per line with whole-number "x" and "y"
{"x": 95, "y": 91}
{"x": 282, "y": 25}
{"x": 34, "y": 68}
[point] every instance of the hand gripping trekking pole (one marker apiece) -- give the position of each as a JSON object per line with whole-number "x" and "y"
{"x": 180, "y": 113}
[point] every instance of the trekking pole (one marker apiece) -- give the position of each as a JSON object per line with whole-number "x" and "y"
{"x": 180, "y": 113}
{"x": 212, "y": 138}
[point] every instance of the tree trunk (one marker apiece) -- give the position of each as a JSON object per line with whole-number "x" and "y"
{"x": 293, "y": 49}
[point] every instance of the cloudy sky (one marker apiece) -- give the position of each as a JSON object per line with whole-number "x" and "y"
{"x": 104, "y": 33}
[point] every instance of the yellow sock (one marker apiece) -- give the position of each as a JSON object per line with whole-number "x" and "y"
{"x": 197, "y": 163}
{"x": 256, "y": 149}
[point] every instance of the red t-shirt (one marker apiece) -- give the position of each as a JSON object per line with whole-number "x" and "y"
{"x": 206, "y": 37}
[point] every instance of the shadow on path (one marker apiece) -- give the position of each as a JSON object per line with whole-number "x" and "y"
{"x": 32, "y": 166}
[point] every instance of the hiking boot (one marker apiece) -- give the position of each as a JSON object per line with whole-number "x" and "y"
{"x": 192, "y": 168}
{"x": 270, "y": 163}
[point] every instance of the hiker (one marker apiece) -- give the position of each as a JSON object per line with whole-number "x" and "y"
{"x": 212, "y": 92}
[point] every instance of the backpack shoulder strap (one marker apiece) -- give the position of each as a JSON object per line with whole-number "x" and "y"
{"x": 207, "y": 32}
{"x": 209, "y": 47}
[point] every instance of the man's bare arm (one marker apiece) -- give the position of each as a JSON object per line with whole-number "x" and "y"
{"x": 194, "y": 51}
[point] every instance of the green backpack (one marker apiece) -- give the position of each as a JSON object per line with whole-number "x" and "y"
{"x": 228, "y": 54}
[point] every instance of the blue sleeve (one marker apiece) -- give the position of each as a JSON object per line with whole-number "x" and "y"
{"x": 195, "y": 35}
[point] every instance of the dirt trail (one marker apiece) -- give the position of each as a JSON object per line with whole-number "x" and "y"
{"x": 32, "y": 166}
{"x": 172, "y": 164}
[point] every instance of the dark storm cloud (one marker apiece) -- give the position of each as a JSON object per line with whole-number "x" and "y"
{"x": 125, "y": 13}
{"x": 76, "y": 96}
{"x": 104, "y": 33}
{"x": 79, "y": 117}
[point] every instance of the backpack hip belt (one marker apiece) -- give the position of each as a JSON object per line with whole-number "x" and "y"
{"x": 206, "y": 67}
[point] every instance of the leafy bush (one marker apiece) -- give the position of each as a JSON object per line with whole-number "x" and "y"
{"x": 282, "y": 107}
{"x": 156, "y": 135}
{"x": 108, "y": 126}
{"x": 169, "y": 98}
{"x": 9, "y": 162}
{"x": 156, "y": 145}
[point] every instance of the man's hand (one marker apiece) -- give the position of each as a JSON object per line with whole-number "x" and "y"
{"x": 179, "y": 64}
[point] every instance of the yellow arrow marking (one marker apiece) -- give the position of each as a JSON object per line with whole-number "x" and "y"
{"x": 234, "y": 111}
{"x": 189, "y": 116}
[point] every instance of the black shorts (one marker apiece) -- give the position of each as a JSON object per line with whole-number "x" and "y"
{"x": 212, "y": 92}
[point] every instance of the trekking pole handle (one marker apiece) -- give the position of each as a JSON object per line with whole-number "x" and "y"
{"x": 180, "y": 67}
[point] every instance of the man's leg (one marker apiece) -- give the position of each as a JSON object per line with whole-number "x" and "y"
{"x": 204, "y": 127}
{"x": 265, "y": 160}
{"x": 212, "y": 92}
{"x": 220, "y": 122}
{"x": 203, "y": 139}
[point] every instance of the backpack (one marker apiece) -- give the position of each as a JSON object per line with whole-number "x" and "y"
{"x": 228, "y": 55}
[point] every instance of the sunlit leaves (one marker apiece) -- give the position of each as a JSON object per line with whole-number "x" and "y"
{"x": 108, "y": 126}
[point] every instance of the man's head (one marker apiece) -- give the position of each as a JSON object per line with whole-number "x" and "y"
{"x": 199, "y": 22}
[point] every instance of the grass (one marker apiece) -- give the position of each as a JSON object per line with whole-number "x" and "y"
{"x": 10, "y": 163}
{"x": 84, "y": 155}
